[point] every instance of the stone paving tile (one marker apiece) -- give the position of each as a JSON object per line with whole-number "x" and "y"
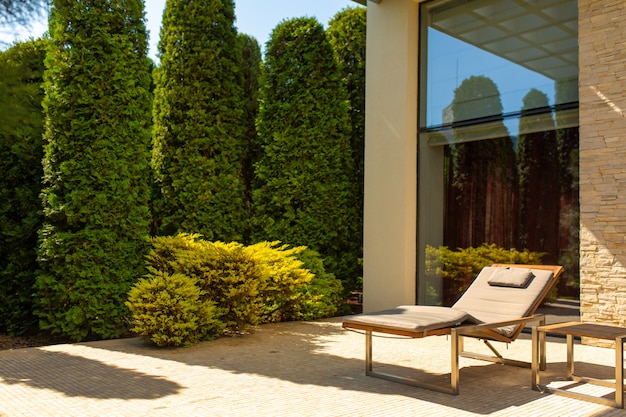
{"x": 285, "y": 369}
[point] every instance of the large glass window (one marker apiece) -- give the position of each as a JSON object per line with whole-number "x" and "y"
{"x": 498, "y": 152}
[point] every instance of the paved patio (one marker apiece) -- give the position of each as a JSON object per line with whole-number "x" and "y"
{"x": 285, "y": 369}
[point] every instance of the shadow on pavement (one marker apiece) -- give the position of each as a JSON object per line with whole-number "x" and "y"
{"x": 76, "y": 376}
{"x": 310, "y": 353}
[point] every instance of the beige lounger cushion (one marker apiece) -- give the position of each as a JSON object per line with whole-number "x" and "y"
{"x": 507, "y": 277}
{"x": 411, "y": 318}
{"x": 490, "y": 304}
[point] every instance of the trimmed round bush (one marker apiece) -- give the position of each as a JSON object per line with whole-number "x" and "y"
{"x": 170, "y": 311}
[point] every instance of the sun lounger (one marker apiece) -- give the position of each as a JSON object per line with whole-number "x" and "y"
{"x": 498, "y": 304}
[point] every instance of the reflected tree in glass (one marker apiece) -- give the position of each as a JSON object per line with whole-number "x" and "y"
{"x": 569, "y": 222}
{"x": 481, "y": 177}
{"x": 537, "y": 158}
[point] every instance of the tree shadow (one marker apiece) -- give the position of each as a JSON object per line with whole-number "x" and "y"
{"x": 77, "y": 376}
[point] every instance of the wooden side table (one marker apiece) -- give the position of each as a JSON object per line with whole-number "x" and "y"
{"x": 571, "y": 329}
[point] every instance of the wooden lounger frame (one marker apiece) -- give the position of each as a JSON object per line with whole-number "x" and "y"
{"x": 485, "y": 332}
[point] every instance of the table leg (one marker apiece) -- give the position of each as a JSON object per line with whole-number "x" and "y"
{"x": 619, "y": 371}
{"x": 570, "y": 356}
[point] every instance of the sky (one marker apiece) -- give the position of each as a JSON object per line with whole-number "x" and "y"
{"x": 256, "y": 18}
{"x": 451, "y": 61}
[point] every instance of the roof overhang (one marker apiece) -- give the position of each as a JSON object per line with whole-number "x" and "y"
{"x": 364, "y": 2}
{"x": 541, "y": 36}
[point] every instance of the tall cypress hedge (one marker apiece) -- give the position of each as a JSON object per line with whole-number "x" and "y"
{"x": 251, "y": 69}
{"x": 304, "y": 193}
{"x": 198, "y": 141}
{"x": 21, "y": 150}
{"x": 347, "y": 35}
{"x": 96, "y": 166}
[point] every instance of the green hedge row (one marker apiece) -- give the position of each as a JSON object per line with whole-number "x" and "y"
{"x": 67, "y": 264}
{"x": 21, "y": 151}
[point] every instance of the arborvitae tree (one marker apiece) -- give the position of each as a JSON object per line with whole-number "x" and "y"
{"x": 346, "y": 33}
{"x": 304, "y": 194}
{"x": 199, "y": 129}
{"x": 251, "y": 68}
{"x": 480, "y": 202}
{"x": 537, "y": 161}
{"x": 96, "y": 166}
{"x": 21, "y": 150}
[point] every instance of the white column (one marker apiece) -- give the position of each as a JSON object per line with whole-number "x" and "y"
{"x": 390, "y": 154}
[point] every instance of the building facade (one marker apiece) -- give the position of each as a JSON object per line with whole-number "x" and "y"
{"x": 563, "y": 64}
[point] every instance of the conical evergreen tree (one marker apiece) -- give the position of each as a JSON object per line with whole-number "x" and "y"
{"x": 346, "y": 33}
{"x": 96, "y": 166}
{"x": 198, "y": 141}
{"x": 304, "y": 194}
{"x": 21, "y": 151}
{"x": 251, "y": 66}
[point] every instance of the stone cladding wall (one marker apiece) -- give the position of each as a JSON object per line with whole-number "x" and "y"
{"x": 602, "y": 95}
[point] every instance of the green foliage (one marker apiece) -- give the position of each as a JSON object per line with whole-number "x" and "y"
{"x": 171, "y": 310}
{"x": 21, "y": 151}
{"x": 346, "y": 34}
{"x": 458, "y": 268}
{"x": 323, "y": 295}
{"x": 251, "y": 70}
{"x": 198, "y": 139}
{"x": 96, "y": 167}
{"x": 304, "y": 192}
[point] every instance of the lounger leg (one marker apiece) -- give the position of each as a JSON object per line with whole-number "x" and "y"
{"x": 453, "y": 389}
{"x": 535, "y": 363}
{"x": 457, "y": 344}
{"x": 368, "y": 352}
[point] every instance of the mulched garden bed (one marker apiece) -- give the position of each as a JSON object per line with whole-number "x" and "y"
{"x": 20, "y": 342}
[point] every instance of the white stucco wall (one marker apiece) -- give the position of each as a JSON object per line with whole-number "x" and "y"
{"x": 390, "y": 155}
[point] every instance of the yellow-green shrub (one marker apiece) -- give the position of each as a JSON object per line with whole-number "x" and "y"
{"x": 243, "y": 285}
{"x": 170, "y": 310}
{"x": 284, "y": 276}
{"x": 233, "y": 279}
{"x": 225, "y": 273}
{"x": 297, "y": 286}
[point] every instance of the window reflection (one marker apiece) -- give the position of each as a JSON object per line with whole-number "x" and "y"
{"x": 501, "y": 106}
